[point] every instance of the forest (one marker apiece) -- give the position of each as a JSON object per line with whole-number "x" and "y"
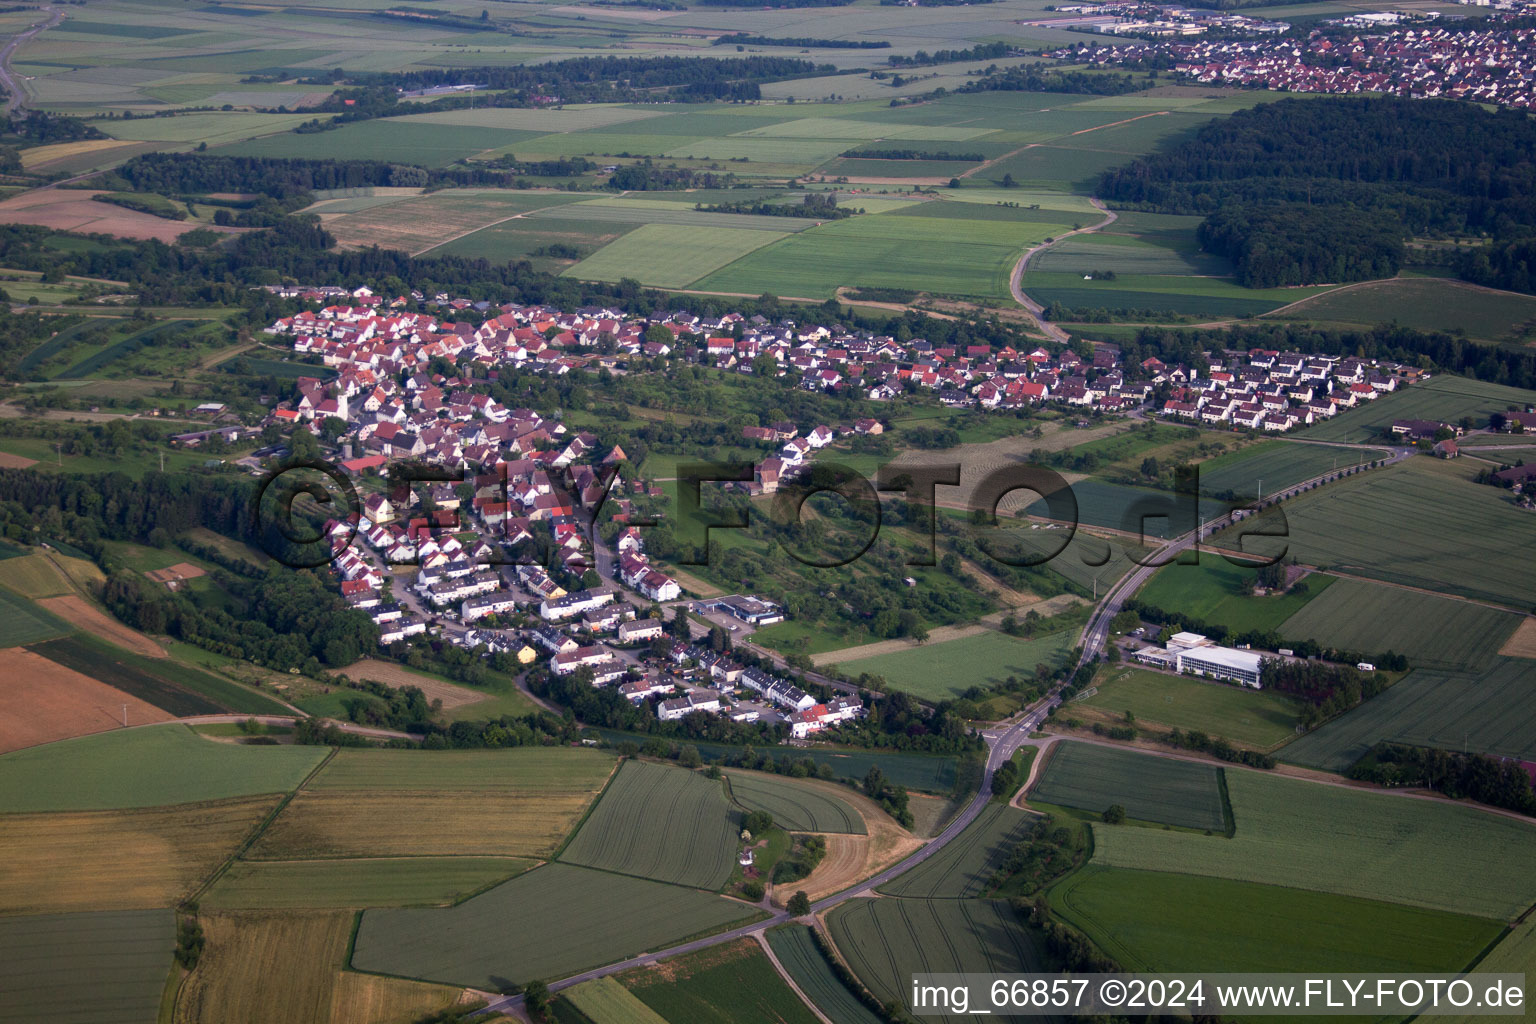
{"x": 1276, "y": 245}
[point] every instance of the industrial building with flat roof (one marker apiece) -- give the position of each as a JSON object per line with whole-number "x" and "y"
{"x": 1194, "y": 654}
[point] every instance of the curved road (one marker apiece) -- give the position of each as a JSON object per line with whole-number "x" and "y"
{"x": 1016, "y": 280}
{"x": 8, "y": 80}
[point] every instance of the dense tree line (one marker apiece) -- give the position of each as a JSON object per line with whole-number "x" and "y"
{"x": 1274, "y": 245}
{"x": 1218, "y": 747}
{"x": 776, "y": 3}
{"x": 648, "y": 176}
{"x": 747, "y": 39}
{"x": 1509, "y": 265}
{"x": 40, "y": 128}
{"x": 1488, "y": 780}
{"x": 1029, "y": 78}
{"x": 816, "y": 206}
{"x": 981, "y": 51}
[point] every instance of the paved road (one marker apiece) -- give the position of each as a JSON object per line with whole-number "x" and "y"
{"x": 8, "y": 80}
{"x": 1016, "y": 280}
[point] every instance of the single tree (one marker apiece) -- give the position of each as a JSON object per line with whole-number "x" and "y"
{"x": 800, "y": 904}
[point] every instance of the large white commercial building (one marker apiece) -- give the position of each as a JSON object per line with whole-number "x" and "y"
{"x": 1194, "y": 654}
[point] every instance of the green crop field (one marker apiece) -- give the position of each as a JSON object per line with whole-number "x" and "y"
{"x": 1515, "y": 954}
{"x": 180, "y": 689}
{"x": 1092, "y": 777}
{"x": 960, "y": 256}
{"x": 735, "y": 982}
{"x": 22, "y": 622}
{"x": 544, "y": 771}
{"x": 1354, "y": 843}
{"x": 1425, "y": 304}
{"x": 1218, "y": 592}
{"x": 1491, "y": 713}
{"x": 1275, "y": 465}
{"x": 670, "y": 255}
{"x": 1446, "y": 398}
{"x": 1157, "y": 921}
{"x": 663, "y": 823}
{"x": 603, "y": 917}
{"x": 1195, "y": 296}
{"x": 605, "y": 1001}
{"x": 962, "y": 868}
{"x": 106, "y": 967}
{"x": 1138, "y": 510}
{"x": 430, "y": 145}
{"x": 1447, "y": 534}
{"x": 1249, "y": 718}
{"x": 1434, "y": 632}
{"x": 212, "y": 128}
{"x": 886, "y": 941}
{"x": 382, "y": 882}
{"x": 796, "y": 950}
{"x": 1127, "y": 254}
{"x": 145, "y": 767}
{"x": 947, "y": 669}
{"x": 795, "y": 807}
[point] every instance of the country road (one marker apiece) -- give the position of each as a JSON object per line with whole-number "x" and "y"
{"x": 8, "y": 80}
{"x": 1016, "y": 280}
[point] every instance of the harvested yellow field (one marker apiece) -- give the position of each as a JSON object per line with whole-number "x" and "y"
{"x": 118, "y": 860}
{"x": 1521, "y": 643}
{"x": 264, "y": 966}
{"x": 391, "y": 674}
{"x": 39, "y": 155}
{"x": 332, "y": 823}
{"x": 34, "y": 576}
{"x": 77, "y": 611}
{"x": 846, "y": 862}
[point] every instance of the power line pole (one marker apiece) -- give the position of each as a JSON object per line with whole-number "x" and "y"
{"x": 125, "y": 716}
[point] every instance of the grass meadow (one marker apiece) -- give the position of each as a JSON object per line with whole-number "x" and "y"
{"x": 22, "y": 622}
{"x": 1163, "y": 921}
{"x": 961, "y": 869}
{"x": 794, "y": 807}
{"x": 605, "y": 1000}
{"x": 1090, "y": 777}
{"x": 1307, "y": 835}
{"x": 604, "y": 917}
{"x": 1249, "y": 718}
{"x": 146, "y": 767}
{"x": 1274, "y": 465}
{"x": 659, "y": 822}
{"x": 947, "y": 669}
{"x": 1218, "y": 592}
{"x": 1425, "y": 304}
{"x": 1490, "y": 713}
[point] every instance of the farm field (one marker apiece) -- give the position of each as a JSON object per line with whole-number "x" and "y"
{"x": 23, "y": 622}
{"x": 1092, "y": 777}
{"x": 179, "y": 689}
{"x": 1218, "y": 592}
{"x": 392, "y": 674}
{"x": 605, "y": 917}
{"x": 1445, "y": 397}
{"x": 1492, "y": 713}
{"x": 605, "y": 1001}
{"x": 415, "y": 223}
{"x": 1118, "y": 250}
{"x": 1275, "y": 465}
{"x": 393, "y": 139}
{"x": 163, "y": 764}
{"x": 1249, "y": 718}
{"x": 961, "y": 869}
{"x": 1434, "y": 632}
{"x": 797, "y": 951}
{"x": 735, "y": 982}
{"x": 371, "y": 882}
{"x": 662, "y": 823}
{"x": 82, "y": 614}
{"x": 46, "y": 702}
{"x": 795, "y": 807}
{"x": 1140, "y": 511}
{"x": 245, "y": 952}
{"x": 118, "y": 860}
{"x": 886, "y": 941}
{"x": 1449, "y": 534}
{"x": 670, "y": 255}
{"x": 34, "y": 576}
{"x": 1193, "y": 296}
{"x": 988, "y": 658}
{"x": 43, "y": 959}
{"x": 1515, "y": 953}
{"x": 515, "y": 803}
{"x": 75, "y": 210}
{"x": 1305, "y": 835}
{"x": 1424, "y": 304}
{"x": 1158, "y": 921}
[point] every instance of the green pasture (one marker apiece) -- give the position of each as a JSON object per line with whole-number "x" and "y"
{"x": 1424, "y": 304}
{"x": 602, "y": 917}
{"x": 1349, "y": 842}
{"x": 1249, "y": 718}
{"x": 1207, "y": 296}
{"x": 1091, "y": 777}
{"x": 1161, "y": 921}
{"x": 1126, "y": 254}
{"x": 940, "y": 671}
{"x": 1491, "y": 713}
{"x": 146, "y": 767}
{"x": 1220, "y": 593}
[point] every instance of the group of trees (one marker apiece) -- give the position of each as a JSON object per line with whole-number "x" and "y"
{"x": 1300, "y": 192}
{"x": 815, "y": 206}
{"x": 1029, "y": 78}
{"x": 1488, "y": 780}
{"x": 912, "y": 154}
{"x": 802, "y": 42}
